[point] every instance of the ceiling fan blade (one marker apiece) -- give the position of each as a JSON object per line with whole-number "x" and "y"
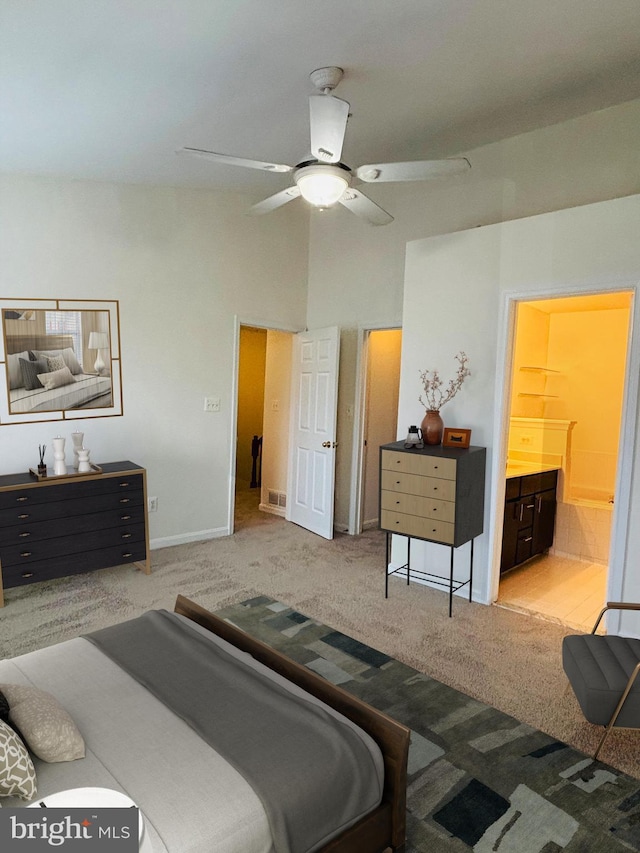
{"x": 417, "y": 170}
{"x": 362, "y": 206}
{"x": 236, "y": 161}
{"x": 328, "y": 122}
{"x": 273, "y": 202}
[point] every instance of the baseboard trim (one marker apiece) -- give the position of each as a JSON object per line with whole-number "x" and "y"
{"x": 185, "y": 538}
{"x": 273, "y": 510}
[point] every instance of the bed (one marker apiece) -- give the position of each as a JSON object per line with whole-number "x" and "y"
{"x": 44, "y": 375}
{"x": 147, "y": 737}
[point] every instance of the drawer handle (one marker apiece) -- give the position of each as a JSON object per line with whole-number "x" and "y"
{"x": 24, "y": 535}
{"x": 397, "y": 482}
{"x": 24, "y": 515}
{"x": 528, "y": 539}
{"x": 126, "y": 536}
{"x": 123, "y": 485}
{"x": 124, "y": 500}
{"x": 397, "y": 502}
{"x": 125, "y": 517}
{"x": 21, "y": 499}
{"x": 27, "y": 574}
{"x": 25, "y": 554}
{"x": 127, "y": 554}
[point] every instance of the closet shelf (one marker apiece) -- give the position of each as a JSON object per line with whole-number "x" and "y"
{"x": 539, "y": 369}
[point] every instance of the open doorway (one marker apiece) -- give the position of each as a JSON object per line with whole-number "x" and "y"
{"x": 262, "y": 424}
{"x": 381, "y": 385}
{"x": 568, "y": 379}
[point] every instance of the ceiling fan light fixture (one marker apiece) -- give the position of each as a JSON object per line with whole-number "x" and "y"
{"x": 322, "y": 185}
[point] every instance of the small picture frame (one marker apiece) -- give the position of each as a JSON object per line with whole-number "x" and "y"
{"x": 453, "y": 437}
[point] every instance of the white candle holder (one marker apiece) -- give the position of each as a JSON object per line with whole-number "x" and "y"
{"x": 59, "y": 464}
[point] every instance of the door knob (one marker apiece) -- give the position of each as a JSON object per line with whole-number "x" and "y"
{"x": 326, "y": 444}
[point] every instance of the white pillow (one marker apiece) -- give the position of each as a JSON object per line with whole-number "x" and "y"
{"x": 17, "y": 773}
{"x": 56, "y": 379}
{"x": 15, "y": 374}
{"x": 69, "y": 357}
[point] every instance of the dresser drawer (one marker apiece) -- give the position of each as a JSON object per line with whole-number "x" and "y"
{"x": 27, "y": 532}
{"x": 425, "y": 466}
{"x": 63, "y": 510}
{"x": 415, "y": 505}
{"x": 73, "y": 564}
{"x": 413, "y": 525}
{"x": 412, "y": 484}
{"x": 44, "y": 493}
{"x": 30, "y": 552}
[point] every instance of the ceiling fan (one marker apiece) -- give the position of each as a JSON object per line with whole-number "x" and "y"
{"x": 322, "y": 179}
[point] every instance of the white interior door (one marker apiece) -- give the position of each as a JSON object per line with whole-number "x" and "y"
{"x": 314, "y": 390}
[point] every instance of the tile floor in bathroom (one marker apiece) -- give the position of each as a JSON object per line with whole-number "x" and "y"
{"x": 557, "y": 588}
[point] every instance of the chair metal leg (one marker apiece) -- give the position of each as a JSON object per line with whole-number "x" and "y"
{"x": 623, "y": 699}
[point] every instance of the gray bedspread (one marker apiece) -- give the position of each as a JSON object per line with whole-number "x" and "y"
{"x": 312, "y": 772}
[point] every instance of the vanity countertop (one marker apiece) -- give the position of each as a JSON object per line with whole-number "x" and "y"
{"x": 517, "y": 468}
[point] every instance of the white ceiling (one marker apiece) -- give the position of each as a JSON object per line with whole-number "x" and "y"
{"x": 109, "y": 89}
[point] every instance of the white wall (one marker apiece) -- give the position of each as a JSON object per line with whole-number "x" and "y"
{"x": 460, "y": 283}
{"x": 182, "y": 263}
{"x": 356, "y": 272}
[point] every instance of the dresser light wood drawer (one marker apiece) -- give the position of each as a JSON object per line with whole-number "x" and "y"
{"x": 413, "y": 525}
{"x": 416, "y": 505}
{"x": 425, "y": 466}
{"x": 412, "y": 484}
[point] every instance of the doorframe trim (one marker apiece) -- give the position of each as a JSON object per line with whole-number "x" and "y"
{"x": 357, "y": 455}
{"x": 626, "y": 451}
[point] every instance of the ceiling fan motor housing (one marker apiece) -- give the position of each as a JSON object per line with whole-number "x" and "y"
{"x": 326, "y": 79}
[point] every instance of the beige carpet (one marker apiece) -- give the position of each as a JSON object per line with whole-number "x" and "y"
{"x": 506, "y": 659}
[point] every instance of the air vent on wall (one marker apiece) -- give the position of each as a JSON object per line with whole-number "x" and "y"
{"x": 277, "y": 498}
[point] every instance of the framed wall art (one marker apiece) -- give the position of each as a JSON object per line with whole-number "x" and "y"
{"x": 453, "y": 437}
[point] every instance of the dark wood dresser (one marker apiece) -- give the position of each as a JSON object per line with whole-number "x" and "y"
{"x": 57, "y": 527}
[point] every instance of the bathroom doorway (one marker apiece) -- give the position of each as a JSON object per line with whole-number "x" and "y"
{"x": 568, "y": 378}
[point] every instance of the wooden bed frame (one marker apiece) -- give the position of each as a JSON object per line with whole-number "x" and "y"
{"x": 383, "y": 828}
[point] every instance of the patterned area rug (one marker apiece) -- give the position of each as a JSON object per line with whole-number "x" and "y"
{"x": 478, "y": 779}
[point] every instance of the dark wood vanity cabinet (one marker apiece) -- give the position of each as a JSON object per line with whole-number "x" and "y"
{"x": 56, "y": 527}
{"x": 529, "y": 517}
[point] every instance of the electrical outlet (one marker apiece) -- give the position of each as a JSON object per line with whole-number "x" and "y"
{"x": 152, "y": 504}
{"x": 275, "y": 405}
{"x": 212, "y": 404}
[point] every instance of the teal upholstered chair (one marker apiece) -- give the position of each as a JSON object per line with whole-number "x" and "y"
{"x": 603, "y": 670}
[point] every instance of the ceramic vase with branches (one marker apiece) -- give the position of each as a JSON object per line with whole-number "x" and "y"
{"x": 436, "y": 394}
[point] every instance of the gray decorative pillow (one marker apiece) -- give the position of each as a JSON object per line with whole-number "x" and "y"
{"x": 30, "y": 371}
{"x": 46, "y": 727}
{"x": 17, "y": 773}
{"x": 55, "y": 362}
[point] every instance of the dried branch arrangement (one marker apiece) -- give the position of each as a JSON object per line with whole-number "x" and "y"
{"x": 435, "y": 394}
